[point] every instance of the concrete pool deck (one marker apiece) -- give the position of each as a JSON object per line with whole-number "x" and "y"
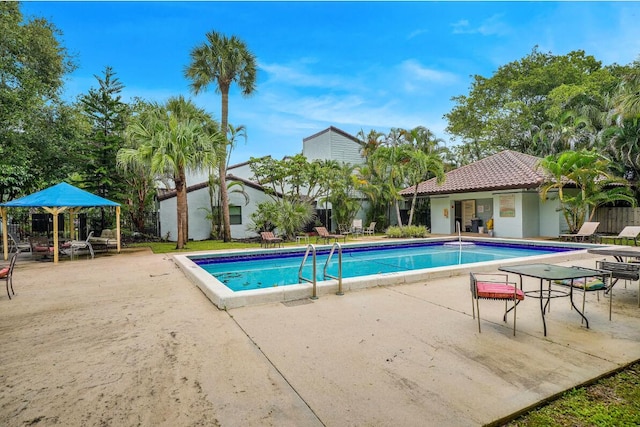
{"x": 128, "y": 340}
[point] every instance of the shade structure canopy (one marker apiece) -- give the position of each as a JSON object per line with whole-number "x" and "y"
{"x": 57, "y": 199}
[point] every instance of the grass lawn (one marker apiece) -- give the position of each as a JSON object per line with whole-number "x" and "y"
{"x": 194, "y": 246}
{"x": 612, "y": 401}
{"x": 202, "y": 245}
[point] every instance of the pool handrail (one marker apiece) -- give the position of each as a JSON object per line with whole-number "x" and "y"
{"x": 310, "y": 248}
{"x": 326, "y": 265}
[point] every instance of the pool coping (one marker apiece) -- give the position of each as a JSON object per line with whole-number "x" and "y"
{"x": 224, "y": 298}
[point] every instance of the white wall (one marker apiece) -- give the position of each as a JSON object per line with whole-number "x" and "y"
{"x": 331, "y": 145}
{"x": 530, "y": 214}
{"x": 551, "y": 220}
{"x": 241, "y": 170}
{"x": 199, "y": 225}
{"x": 508, "y": 226}
{"x": 441, "y": 224}
{"x": 240, "y": 231}
{"x": 533, "y": 218}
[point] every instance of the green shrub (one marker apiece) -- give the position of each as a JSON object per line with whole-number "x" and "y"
{"x": 395, "y": 232}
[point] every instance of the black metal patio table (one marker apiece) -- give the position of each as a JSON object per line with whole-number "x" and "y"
{"x": 550, "y": 272}
{"x": 617, "y": 252}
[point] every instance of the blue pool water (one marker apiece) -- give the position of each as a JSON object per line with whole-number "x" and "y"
{"x": 265, "y": 270}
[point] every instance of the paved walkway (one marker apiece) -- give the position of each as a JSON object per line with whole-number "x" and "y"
{"x": 397, "y": 356}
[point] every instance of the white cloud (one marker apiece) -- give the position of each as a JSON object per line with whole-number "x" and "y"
{"x": 411, "y": 70}
{"x": 492, "y": 26}
{"x": 462, "y": 27}
{"x": 416, "y": 33}
{"x": 297, "y": 75}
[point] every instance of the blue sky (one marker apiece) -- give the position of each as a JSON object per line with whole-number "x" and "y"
{"x": 353, "y": 65}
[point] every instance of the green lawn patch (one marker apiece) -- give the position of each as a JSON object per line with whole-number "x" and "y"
{"x": 612, "y": 401}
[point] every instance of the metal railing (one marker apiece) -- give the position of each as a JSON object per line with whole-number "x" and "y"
{"x": 326, "y": 265}
{"x": 310, "y": 249}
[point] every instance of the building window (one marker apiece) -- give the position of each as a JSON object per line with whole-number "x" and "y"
{"x": 235, "y": 215}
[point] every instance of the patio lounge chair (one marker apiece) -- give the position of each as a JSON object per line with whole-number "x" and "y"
{"x": 73, "y": 247}
{"x": 326, "y": 236}
{"x": 586, "y": 232}
{"x": 20, "y": 246}
{"x": 41, "y": 249}
{"x": 370, "y": 230}
{"x": 6, "y": 273}
{"x": 629, "y": 232}
{"x": 268, "y": 238}
{"x": 494, "y": 287}
{"x": 107, "y": 240}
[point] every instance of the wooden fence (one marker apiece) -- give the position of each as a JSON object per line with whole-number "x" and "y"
{"x": 613, "y": 220}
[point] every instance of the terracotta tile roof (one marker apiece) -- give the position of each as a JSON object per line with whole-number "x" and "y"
{"x": 504, "y": 170}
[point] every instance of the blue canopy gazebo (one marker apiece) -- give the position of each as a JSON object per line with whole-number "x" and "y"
{"x": 55, "y": 200}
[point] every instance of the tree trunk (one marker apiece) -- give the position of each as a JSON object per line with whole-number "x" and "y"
{"x": 398, "y": 214}
{"x": 413, "y": 204}
{"x": 224, "y": 197}
{"x": 181, "y": 204}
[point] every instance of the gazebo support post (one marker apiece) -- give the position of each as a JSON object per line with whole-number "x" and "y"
{"x": 118, "y": 227}
{"x": 5, "y": 234}
{"x": 55, "y": 211}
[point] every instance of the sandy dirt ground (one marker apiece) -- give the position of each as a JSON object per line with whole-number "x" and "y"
{"x": 126, "y": 340}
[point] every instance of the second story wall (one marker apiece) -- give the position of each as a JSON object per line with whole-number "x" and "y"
{"x": 332, "y": 144}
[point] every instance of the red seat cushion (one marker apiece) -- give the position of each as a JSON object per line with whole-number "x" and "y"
{"x": 4, "y": 272}
{"x": 43, "y": 249}
{"x": 497, "y": 291}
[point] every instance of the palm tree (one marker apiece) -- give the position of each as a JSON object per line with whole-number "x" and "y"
{"x": 389, "y": 162}
{"x": 370, "y": 142}
{"x": 171, "y": 138}
{"x": 588, "y": 172}
{"x": 628, "y": 96}
{"x": 223, "y": 61}
{"x": 571, "y": 131}
{"x": 420, "y": 167}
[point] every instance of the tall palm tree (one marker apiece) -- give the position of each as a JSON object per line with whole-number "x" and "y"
{"x": 222, "y": 61}
{"x": 171, "y": 138}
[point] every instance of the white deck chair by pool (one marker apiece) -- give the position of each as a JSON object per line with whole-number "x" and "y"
{"x": 630, "y": 232}
{"x": 587, "y": 231}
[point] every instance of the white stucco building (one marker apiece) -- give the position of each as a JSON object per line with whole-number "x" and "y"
{"x": 502, "y": 187}
{"x": 329, "y": 144}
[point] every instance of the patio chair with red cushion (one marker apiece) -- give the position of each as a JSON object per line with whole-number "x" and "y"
{"x": 41, "y": 248}
{"x": 494, "y": 287}
{"x": 6, "y": 273}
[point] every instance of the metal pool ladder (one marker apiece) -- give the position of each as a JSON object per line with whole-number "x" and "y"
{"x": 326, "y": 265}
{"x": 311, "y": 249}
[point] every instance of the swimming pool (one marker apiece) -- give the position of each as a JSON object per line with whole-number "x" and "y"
{"x": 259, "y": 271}
{"x": 257, "y": 275}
